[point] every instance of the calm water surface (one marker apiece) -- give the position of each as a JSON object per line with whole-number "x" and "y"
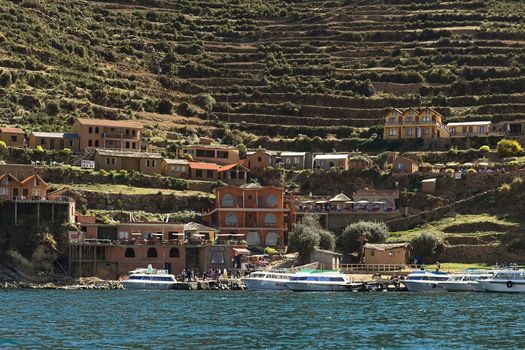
{"x": 259, "y": 320}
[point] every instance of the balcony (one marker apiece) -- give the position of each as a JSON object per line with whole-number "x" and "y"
{"x": 117, "y": 136}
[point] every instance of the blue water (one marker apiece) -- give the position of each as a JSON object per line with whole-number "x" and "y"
{"x": 257, "y": 320}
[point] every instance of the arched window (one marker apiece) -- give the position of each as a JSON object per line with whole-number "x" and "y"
{"x": 227, "y": 200}
{"x": 127, "y": 144}
{"x": 231, "y": 219}
{"x": 152, "y": 253}
{"x": 129, "y": 253}
{"x": 96, "y": 143}
{"x": 271, "y": 200}
{"x": 96, "y": 130}
{"x": 272, "y": 239}
{"x": 174, "y": 252}
{"x": 90, "y": 130}
{"x": 270, "y": 219}
{"x": 90, "y": 143}
{"x": 253, "y": 238}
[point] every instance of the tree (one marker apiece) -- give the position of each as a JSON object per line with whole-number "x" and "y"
{"x": 165, "y": 106}
{"x": 426, "y": 244}
{"x": 375, "y": 232}
{"x": 3, "y": 150}
{"x": 508, "y": 148}
{"x": 308, "y": 235}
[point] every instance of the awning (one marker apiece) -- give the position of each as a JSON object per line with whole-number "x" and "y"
{"x": 136, "y": 234}
{"x": 321, "y": 202}
{"x": 363, "y": 202}
{"x": 241, "y": 251}
{"x": 231, "y": 234}
{"x": 197, "y": 235}
{"x": 176, "y": 234}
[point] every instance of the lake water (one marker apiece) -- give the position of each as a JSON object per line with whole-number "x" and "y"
{"x": 258, "y": 320}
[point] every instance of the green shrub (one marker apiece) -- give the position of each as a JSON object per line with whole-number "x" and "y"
{"x": 3, "y": 149}
{"x": 484, "y": 148}
{"x": 39, "y": 149}
{"x": 165, "y": 106}
{"x": 426, "y": 244}
{"x": 508, "y": 148}
{"x": 374, "y": 232}
{"x": 270, "y": 251}
{"x": 309, "y": 235}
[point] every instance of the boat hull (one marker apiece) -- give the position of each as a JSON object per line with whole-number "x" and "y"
{"x": 502, "y": 287}
{"x": 301, "y": 286}
{"x": 424, "y": 286}
{"x": 260, "y": 284}
{"x": 460, "y": 286}
{"x": 140, "y": 285}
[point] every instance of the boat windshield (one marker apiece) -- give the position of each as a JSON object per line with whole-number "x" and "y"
{"x": 510, "y": 276}
{"x": 152, "y": 278}
{"x": 317, "y": 278}
{"x": 426, "y": 278}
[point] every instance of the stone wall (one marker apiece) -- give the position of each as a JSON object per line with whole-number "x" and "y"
{"x": 487, "y": 253}
{"x": 336, "y": 222}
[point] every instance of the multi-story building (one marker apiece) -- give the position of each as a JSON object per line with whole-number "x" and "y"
{"x": 424, "y": 123}
{"x": 29, "y": 188}
{"x": 251, "y": 212}
{"x": 12, "y": 136}
{"x": 219, "y": 154}
{"x": 469, "y": 129}
{"x": 112, "y": 134}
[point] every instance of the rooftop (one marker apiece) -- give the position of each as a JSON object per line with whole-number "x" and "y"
{"x": 216, "y": 146}
{"x": 176, "y": 161}
{"x": 331, "y": 156}
{"x": 204, "y": 166}
{"x": 55, "y": 135}
{"x": 113, "y": 123}
{"x": 12, "y": 130}
{"x": 386, "y": 246}
{"x": 127, "y": 154}
{"x": 469, "y": 123}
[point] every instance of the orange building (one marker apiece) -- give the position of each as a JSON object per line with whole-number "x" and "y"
{"x": 30, "y": 188}
{"x": 220, "y": 154}
{"x": 251, "y": 212}
{"x": 144, "y": 162}
{"x": 112, "y": 134}
{"x": 411, "y": 123}
{"x": 12, "y": 136}
{"x": 258, "y": 160}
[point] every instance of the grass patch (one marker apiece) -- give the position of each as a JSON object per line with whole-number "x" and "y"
{"x": 124, "y": 189}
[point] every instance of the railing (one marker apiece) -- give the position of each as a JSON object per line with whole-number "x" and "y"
{"x": 374, "y": 267}
{"x": 120, "y": 136}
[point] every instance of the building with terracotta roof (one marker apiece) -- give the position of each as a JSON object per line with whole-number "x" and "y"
{"x": 234, "y": 174}
{"x": 108, "y": 134}
{"x": 252, "y": 213}
{"x": 12, "y": 136}
{"x": 29, "y": 188}
{"x": 54, "y": 141}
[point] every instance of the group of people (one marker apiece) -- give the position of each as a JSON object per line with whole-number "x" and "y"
{"x": 213, "y": 274}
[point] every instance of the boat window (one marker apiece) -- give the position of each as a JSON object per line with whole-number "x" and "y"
{"x": 174, "y": 252}
{"x": 129, "y": 253}
{"x": 503, "y": 276}
{"x": 135, "y": 277}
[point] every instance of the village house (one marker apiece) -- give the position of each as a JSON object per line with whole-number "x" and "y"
{"x": 234, "y": 174}
{"x": 54, "y": 140}
{"x": 259, "y": 159}
{"x": 386, "y": 254}
{"x": 13, "y": 137}
{"x": 428, "y": 185}
{"x": 289, "y": 160}
{"x": 219, "y": 154}
{"x": 252, "y": 213}
{"x": 404, "y": 165}
{"x": 511, "y": 128}
{"x": 29, "y": 188}
{"x": 470, "y": 129}
{"x": 147, "y": 163}
{"x": 108, "y": 134}
{"x": 329, "y": 161}
{"x": 425, "y": 123}
{"x": 178, "y": 168}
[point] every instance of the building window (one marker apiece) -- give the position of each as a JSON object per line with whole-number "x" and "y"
{"x": 227, "y": 200}
{"x": 270, "y": 219}
{"x": 133, "y": 132}
{"x": 209, "y": 174}
{"x": 152, "y": 253}
{"x": 410, "y": 132}
{"x": 231, "y": 220}
{"x": 113, "y": 161}
{"x": 127, "y": 132}
{"x": 174, "y": 252}
{"x": 90, "y": 130}
{"x": 14, "y": 138}
{"x": 392, "y": 132}
{"x": 90, "y": 143}
{"x": 96, "y": 130}
{"x": 107, "y": 161}
{"x": 425, "y": 131}
{"x": 96, "y": 143}
{"x": 233, "y": 174}
{"x": 217, "y": 256}
{"x": 392, "y": 120}
{"x": 222, "y": 154}
{"x": 127, "y": 144}
{"x": 253, "y": 238}
{"x": 259, "y": 159}
{"x": 134, "y": 145}
{"x": 409, "y": 119}
{"x": 42, "y": 141}
{"x": 198, "y": 173}
{"x": 372, "y": 253}
{"x": 129, "y": 253}
{"x": 71, "y": 143}
{"x": 272, "y": 239}
{"x": 426, "y": 119}
{"x": 401, "y": 166}
{"x": 271, "y": 200}
{"x": 241, "y": 175}
{"x": 482, "y": 129}
{"x": 453, "y": 130}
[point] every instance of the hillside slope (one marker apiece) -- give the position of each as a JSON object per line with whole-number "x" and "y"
{"x": 309, "y": 67}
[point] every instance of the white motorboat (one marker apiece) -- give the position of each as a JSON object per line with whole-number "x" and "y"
{"x": 149, "y": 279}
{"x": 505, "y": 281}
{"x": 466, "y": 282}
{"x": 266, "y": 280}
{"x": 321, "y": 281}
{"x": 425, "y": 281}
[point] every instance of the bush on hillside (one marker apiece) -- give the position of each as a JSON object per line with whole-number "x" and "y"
{"x": 426, "y": 244}
{"x": 309, "y": 235}
{"x": 484, "y": 148}
{"x": 508, "y": 148}
{"x": 374, "y": 232}
{"x": 3, "y": 149}
{"x": 165, "y": 106}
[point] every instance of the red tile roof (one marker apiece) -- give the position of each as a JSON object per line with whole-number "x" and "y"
{"x": 29, "y": 178}
{"x": 12, "y": 130}
{"x": 231, "y": 166}
{"x": 204, "y": 166}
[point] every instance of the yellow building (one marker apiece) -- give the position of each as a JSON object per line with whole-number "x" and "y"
{"x": 412, "y": 123}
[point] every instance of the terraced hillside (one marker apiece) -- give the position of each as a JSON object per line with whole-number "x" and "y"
{"x": 271, "y": 68}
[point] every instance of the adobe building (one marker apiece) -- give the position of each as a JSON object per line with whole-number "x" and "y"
{"x": 386, "y": 254}
{"x": 252, "y": 213}
{"x": 258, "y": 160}
{"x": 428, "y": 185}
{"x": 329, "y": 161}
{"x": 425, "y": 123}
{"x": 109, "y": 134}
{"x": 144, "y": 162}
{"x": 29, "y": 188}
{"x": 404, "y": 165}
{"x": 54, "y": 141}
{"x": 219, "y": 154}
{"x": 178, "y": 168}
{"x": 13, "y": 137}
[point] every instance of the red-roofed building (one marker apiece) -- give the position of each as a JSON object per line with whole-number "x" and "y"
{"x": 12, "y": 136}
{"x": 234, "y": 174}
{"x": 32, "y": 187}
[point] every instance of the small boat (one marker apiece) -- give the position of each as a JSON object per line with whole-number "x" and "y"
{"x": 426, "y": 281}
{"x": 321, "y": 281}
{"x": 466, "y": 282}
{"x": 266, "y": 280}
{"x": 505, "y": 281}
{"x": 149, "y": 279}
